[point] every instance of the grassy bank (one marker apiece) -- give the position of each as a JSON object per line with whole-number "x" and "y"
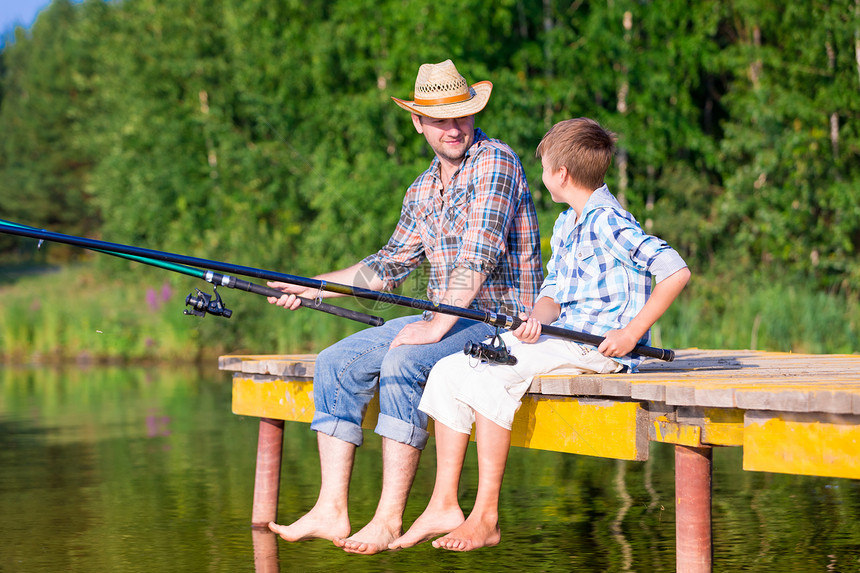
{"x": 92, "y": 315}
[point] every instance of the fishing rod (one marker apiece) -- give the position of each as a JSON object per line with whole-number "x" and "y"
{"x": 492, "y": 318}
{"x": 203, "y": 303}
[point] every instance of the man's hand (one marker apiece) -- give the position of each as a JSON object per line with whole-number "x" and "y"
{"x": 424, "y": 332}
{"x": 289, "y": 300}
{"x": 358, "y": 274}
{"x": 617, "y": 343}
{"x": 466, "y": 284}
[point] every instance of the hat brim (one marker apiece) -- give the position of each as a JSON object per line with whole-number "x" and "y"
{"x": 480, "y": 95}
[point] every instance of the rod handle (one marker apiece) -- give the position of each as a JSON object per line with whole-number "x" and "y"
{"x": 342, "y": 312}
{"x": 660, "y": 353}
{"x": 306, "y": 302}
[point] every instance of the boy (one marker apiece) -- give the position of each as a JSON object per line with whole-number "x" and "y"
{"x": 598, "y": 281}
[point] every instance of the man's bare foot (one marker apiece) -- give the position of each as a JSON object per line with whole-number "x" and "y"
{"x": 475, "y": 532}
{"x": 372, "y": 538}
{"x": 312, "y": 525}
{"x": 428, "y": 525}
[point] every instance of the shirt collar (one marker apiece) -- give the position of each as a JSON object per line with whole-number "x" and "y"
{"x": 480, "y": 136}
{"x": 600, "y": 198}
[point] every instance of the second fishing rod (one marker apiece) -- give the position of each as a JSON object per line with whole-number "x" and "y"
{"x": 492, "y": 318}
{"x": 203, "y": 303}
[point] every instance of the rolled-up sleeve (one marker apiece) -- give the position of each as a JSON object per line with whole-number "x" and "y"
{"x": 645, "y": 251}
{"x": 494, "y": 205}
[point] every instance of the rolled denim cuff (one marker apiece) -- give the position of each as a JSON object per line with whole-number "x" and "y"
{"x": 403, "y": 432}
{"x": 337, "y": 428}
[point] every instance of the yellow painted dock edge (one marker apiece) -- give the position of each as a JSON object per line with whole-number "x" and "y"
{"x": 698, "y": 427}
{"x": 803, "y": 444}
{"x": 823, "y": 444}
{"x": 266, "y": 396}
{"x": 593, "y": 427}
{"x": 586, "y": 426}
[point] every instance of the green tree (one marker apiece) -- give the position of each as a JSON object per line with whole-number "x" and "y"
{"x": 264, "y": 132}
{"x": 46, "y": 103}
{"x": 791, "y": 152}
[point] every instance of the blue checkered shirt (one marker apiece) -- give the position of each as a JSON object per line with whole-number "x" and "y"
{"x": 601, "y": 267}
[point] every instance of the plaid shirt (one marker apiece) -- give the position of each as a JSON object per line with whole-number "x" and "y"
{"x": 601, "y": 268}
{"x": 485, "y": 221}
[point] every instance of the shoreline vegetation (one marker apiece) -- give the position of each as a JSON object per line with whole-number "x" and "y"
{"x": 263, "y": 133}
{"x": 84, "y": 314}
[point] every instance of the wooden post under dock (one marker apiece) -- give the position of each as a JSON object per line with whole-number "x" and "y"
{"x": 791, "y": 413}
{"x": 270, "y": 444}
{"x": 693, "y": 548}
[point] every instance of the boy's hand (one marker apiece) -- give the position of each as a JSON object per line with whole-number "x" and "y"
{"x": 528, "y": 331}
{"x": 617, "y": 343}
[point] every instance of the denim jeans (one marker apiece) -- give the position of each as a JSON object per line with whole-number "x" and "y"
{"x": 348, "y": 374}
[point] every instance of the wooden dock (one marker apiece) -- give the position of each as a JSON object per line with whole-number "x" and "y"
{"x": 791, "y": 413}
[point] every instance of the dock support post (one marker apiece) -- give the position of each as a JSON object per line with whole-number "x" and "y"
{"x": 267, "y": 480}
{"x": 265, "y": 551}
{"x": 693, "y": 544}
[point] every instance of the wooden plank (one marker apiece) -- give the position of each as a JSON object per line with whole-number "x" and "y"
{"x": 591, "y": 427}
{"x": 746, "y": 380}
{"x": 267, "y": 396}
{"x": 837, "y": 395}
{"x": 299, "y": 366}
{"x": 296, "y": 365}
{"x": 696, "y": 427}
{"x": 585, "y": 426}
{"x": 234, "y": 363}
{"x": 668, "y": 432}
{"x": 725, "y": 379}
{"x": 792, "y": 413}
{"x": 720, "y": 426}
{"x": 806, "y": 444}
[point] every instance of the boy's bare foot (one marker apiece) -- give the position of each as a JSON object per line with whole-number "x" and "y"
{"x": 312, "y": 525}
{"x": 372, "y": 538}
{"x": 428, "y": 525}
{"x": 472, "y": 534}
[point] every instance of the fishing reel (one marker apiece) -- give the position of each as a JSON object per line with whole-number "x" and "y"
{"x": 489, "y": 353}
{"x": 203, "y": 303}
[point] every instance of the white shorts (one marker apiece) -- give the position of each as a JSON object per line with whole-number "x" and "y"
{"x": 459, "y": 385}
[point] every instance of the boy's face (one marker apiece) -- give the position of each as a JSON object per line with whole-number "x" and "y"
{"x": 553, "y": 181}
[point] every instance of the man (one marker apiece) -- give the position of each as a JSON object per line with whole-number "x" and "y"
{"x": 471, "y": 216}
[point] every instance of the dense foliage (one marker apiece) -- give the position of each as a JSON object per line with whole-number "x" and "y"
{"x": 263, "y": 133}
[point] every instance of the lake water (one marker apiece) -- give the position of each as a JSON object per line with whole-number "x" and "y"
{"x": 146, "y": 469}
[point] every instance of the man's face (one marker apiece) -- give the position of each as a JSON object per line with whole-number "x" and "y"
{"x": 449, "y": 138}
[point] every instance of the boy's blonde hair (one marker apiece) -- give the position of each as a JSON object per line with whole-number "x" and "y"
{"x": 581, "y": 145}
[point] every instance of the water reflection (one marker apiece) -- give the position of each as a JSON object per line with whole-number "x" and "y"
{"x": 626, "y": 502}
{"x": 265, "y": 551}
{"x": 141, "y": 469}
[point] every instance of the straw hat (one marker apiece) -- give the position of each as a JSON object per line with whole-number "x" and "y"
{"x": 441, "y": 92}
